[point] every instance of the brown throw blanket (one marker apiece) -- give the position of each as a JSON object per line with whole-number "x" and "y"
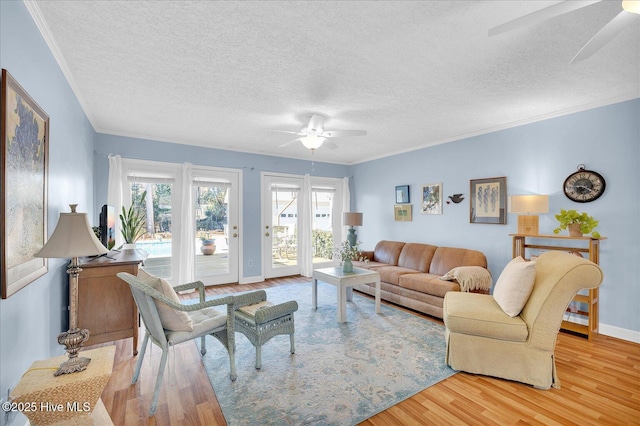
{"x": 470, "y": 278}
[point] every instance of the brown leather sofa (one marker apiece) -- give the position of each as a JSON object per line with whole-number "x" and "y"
{"x": 410, "y": 272}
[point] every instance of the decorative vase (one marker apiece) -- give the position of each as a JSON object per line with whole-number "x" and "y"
{"x": 208, "y": 248}
{"x": 129, "y": 246}
{"x": 574, "y": 230}
{"x": 347, "y": 266}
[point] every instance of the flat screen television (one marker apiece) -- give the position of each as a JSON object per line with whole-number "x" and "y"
{"x": 108, "y": 226}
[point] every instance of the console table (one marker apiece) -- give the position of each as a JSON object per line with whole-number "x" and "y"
{"x": 575, "y": 245}
{"x": 105, "y": 304}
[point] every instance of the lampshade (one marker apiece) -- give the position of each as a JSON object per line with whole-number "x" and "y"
{"x": 528, "y": 224}
{"x": 529, "y": 204}
{"x": 312, "y": 141}
{"x": 73, "y": 237}
{"x": 352, "y": 219}
{"x": 632, "y": 6}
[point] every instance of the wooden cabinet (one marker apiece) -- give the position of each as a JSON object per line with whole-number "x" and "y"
{"x": 578, "y": 246}
{"x": 105, "y": 305}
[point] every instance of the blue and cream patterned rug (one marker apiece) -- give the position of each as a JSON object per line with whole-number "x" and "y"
{"x": 341, "y": 374}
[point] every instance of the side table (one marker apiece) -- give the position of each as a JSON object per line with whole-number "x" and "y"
{"x": 69, "y": 398}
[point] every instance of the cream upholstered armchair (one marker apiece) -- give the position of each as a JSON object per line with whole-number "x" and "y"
{"x": 168, "y": 322}
{"x": 482, "y": 339}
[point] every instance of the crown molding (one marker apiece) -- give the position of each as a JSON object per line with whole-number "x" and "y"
{"x": 43, "y": 27}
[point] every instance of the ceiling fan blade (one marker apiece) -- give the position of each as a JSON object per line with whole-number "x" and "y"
{"x": 343, "y": 133}
{"x": 289, "y": 143}
{"x": 541, "y": 15}
{"x": 605, "y": 35}
{"x": 286, "y": 131}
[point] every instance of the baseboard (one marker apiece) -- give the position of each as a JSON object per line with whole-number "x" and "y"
{"x": 251, "y": 280}
{"x": 609, "y": 330}
{"x": 620, "y": 333}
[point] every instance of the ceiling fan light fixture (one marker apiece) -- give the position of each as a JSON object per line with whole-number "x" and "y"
{"x": 632, "y": 6}
{"x": 312, "y": 142}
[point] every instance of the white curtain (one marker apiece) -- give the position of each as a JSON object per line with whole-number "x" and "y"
{"x": 186, "y": 249}
{"x": 114, "y": 192}
{"x": 305, "y": 242}
{"x": 346, "y": 205}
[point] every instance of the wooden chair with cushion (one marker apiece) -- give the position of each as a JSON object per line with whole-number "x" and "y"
{"x": 512, "y": 333}
{"x": 168, "y": 322}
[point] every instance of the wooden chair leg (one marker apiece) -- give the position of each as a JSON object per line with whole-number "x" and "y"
{"x": 136, "y": 372}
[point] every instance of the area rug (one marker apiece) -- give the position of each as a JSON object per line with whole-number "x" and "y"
{"x": 340, "y": 374}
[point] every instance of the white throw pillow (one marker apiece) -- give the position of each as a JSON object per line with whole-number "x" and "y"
{"x": 514, "y": 286}
{"x": 172, "y": 320}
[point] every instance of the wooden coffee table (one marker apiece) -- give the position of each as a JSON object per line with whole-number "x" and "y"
{"x": 345, "y": 282}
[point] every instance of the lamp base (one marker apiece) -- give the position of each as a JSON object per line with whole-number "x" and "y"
{"x": 73, "y": 340}
{"x": 352, "y": 237}
{"x": 528, "y": 225}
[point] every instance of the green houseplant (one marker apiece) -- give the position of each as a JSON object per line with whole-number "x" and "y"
{"x": 577, "y": 223}
{"x": 132, "y": 221}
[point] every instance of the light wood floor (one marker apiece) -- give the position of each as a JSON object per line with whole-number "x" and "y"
{"x": 600, "y": 386}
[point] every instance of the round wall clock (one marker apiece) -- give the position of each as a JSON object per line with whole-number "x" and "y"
{"x": 584, "y": 185}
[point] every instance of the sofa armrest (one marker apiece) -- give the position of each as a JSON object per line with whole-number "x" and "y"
{"x": 367, "y": 255}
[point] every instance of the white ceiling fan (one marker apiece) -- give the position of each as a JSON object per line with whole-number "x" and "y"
{"x": 630, "y": 12}
{"x": 314, "y": 134}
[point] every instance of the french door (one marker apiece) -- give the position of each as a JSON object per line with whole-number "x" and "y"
{"x": 217, "y": 227}
{"x": 280, "y": 225}
{"x": 284, "y": 237}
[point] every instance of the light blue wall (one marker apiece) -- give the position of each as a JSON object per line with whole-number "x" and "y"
{"x": 31, "y": 319}
{"x": 535, "y": 158}
{"x": 251, "y": 165}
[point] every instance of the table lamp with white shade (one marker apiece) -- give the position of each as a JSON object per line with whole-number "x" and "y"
{"x": 529, "y": 204}
{"x": 352, "y": 219}
{"x": 72, "y": 238}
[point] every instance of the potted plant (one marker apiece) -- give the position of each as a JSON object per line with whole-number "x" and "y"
{"x": 208, "y": 246}
{"x": 132, "y": 223}
{"x": 577, "y": 223}
{"x": 347, "y": 254}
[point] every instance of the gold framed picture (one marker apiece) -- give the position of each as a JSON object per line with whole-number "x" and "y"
{"x": 402, "y": 212}
{"x": 23, "y": 207}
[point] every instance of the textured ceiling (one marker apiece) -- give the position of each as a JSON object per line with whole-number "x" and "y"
{"x": 412, "y": 73}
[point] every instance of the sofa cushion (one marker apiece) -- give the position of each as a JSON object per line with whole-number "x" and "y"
{"x": 387, "y": 252}
{"x": 447, "y": 258}
{"x": 392, "y": 274}
{"x": 428, "y": 283}
{"x": 514, "y": 285}
{"x": 480, "y": 315}
{"x": 416, "y": 256}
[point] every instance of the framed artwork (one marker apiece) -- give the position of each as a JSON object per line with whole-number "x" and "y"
{"x": 431, "y": 199}
{"x": 489, "y": 200}
{"x": 402, "y": 212}
{"x": 23, "y": 205}
{"x": 402, "y": 194}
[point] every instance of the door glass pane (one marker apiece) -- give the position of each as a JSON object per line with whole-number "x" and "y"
{"x": 284, "y": 241}
{"x": 322, "y": 231}
{"x": 157, "y": 240}
{"x": 212, "y": 233}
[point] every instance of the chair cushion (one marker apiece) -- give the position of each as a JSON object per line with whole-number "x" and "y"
{"x": 204, "y": 322}
{"x": 479, "y": 315}
{"x": 251, "y": 309}
{"x": 171, "y": 319}
{"x": 514, "y": 285}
